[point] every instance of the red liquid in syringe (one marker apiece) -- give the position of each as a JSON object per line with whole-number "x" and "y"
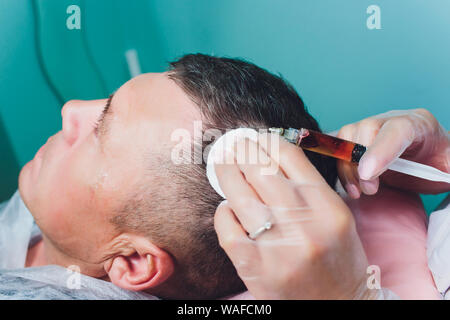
{"x": 331, "y": 146}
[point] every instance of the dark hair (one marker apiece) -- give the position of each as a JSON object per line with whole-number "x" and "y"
{"x": 234, "y": 93}
{"x": 230, "y": 93}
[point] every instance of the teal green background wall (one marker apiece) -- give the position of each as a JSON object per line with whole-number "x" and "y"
{"x": 343, "y": 71}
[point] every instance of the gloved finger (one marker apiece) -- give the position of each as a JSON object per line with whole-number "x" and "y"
{"x": 234, "y": 240}
{"x": 369, "y": 187}
{"x": 292, "y": 161}
{"x": 273, "y": 187}
{"x": 278, "y": 194}
{"x": 346, "y": 174}
{"x": 283, "y": 198}
{"x": 347, "y": 171}
{"x": 242, "y": 251}
{"x": 280, "y": 197}
{"x": 240, "y": 195}
{"x": 394, "y": 137}
{"x": 310, "y": 184}
{"x": 366, "y": 132}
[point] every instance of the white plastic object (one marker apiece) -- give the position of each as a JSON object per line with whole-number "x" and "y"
{"x": 419, "y": 170}
{"x": 134, "y": 66}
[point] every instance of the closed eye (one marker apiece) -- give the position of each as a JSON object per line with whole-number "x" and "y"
{"x": 102, "y": 116}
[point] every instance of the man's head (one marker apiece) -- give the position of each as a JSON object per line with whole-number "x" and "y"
{"x": 111, "y": 201}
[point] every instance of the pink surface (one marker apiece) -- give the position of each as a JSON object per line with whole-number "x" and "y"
{"x": 393, "y": 228}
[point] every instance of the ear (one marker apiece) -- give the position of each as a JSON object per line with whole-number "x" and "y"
{"x": 146, "y": 267}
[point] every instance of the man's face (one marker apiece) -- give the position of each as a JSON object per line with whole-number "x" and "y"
{"x": 81, "y": 174}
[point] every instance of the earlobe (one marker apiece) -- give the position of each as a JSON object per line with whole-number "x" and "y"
{"x": 139, "y": 272}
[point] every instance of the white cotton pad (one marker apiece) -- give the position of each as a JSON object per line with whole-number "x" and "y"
{"x": 225, "y": 143}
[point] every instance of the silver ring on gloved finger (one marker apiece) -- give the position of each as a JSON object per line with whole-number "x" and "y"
{"x": 265, "y": 227}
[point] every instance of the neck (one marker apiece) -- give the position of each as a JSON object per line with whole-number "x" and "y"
{"x": 43, "y": 253}
{"x": 36, "y": 255}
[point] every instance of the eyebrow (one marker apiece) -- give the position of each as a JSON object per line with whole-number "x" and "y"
{"x": 103, "y": 123}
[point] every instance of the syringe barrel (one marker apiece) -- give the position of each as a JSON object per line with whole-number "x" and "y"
{"x": 332, "y": 146}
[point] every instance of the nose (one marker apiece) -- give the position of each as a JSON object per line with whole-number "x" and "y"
{"x": 79, "y": 117}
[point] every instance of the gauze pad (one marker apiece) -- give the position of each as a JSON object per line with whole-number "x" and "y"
{"x": 218, "y": 150}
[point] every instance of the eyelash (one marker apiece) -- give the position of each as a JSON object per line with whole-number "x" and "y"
{"x": 102, "y": 115}
{"x": 96, "y": 127}
{"x": 96, "y": 124}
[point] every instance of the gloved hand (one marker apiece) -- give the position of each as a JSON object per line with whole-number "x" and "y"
{"x": 312, "y": 250}
{"x": 412, "y": 134}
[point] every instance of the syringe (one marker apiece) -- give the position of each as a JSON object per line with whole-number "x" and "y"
{"x": 350, "y": 151}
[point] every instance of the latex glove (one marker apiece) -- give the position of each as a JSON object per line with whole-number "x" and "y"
{"x": 312, "y": 251}
{"x": 412, "y": 134}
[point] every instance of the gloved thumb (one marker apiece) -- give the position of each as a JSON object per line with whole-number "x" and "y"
{"x": 391, "y": 141}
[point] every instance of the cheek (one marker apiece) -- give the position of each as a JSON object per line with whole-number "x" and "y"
{"x": 64, "y": 183}
{"x": 68, "y": 172}
{"x": 66, "y": 207}
{"x": 68, "y": 204}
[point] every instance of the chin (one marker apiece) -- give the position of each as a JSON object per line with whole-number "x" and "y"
{"x": 25, "y": 183}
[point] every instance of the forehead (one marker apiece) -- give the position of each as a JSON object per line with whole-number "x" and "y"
{"x": 149, "y": 108}
{"x": 155, "y": 96}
